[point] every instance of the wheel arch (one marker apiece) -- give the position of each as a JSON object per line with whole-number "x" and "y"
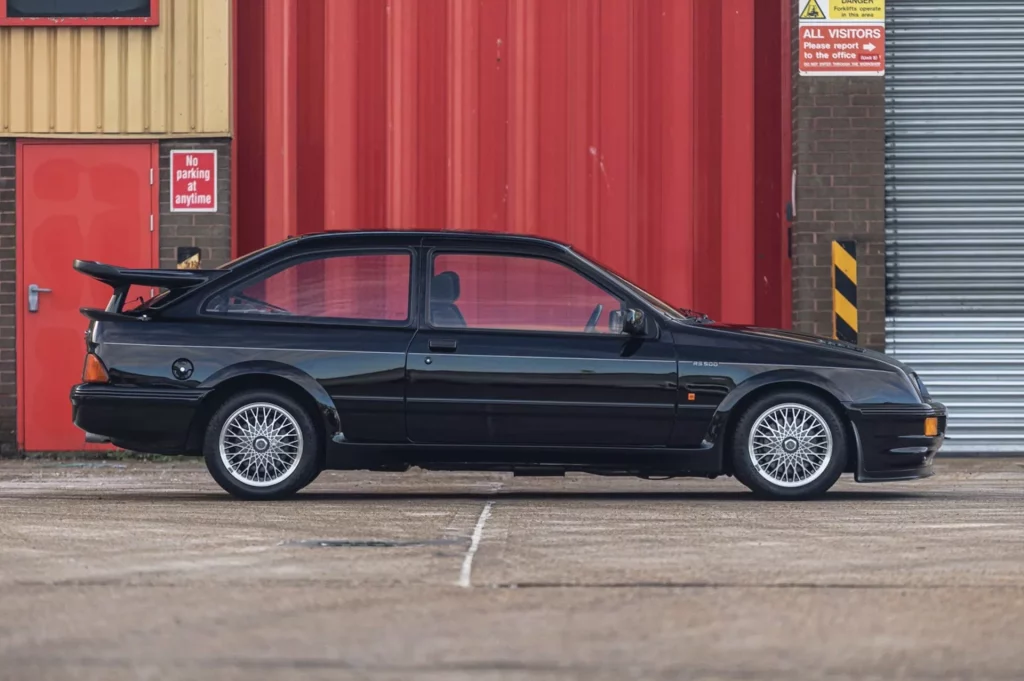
{"x": 740, "y": 398}
{"x": 273, "y": 376}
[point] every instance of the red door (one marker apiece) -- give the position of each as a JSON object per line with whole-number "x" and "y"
{"x": 87, "y": 201}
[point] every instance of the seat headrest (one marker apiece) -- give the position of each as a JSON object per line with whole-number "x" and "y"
{"x": 445, "y": 288}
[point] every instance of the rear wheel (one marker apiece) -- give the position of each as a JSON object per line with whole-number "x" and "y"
{"x": 789, "y": 445}
{"x": 262, "y": 445}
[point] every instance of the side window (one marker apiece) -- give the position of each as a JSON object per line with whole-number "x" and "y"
{"x": 478, "y": 291}
{"x": 364, "y": 287}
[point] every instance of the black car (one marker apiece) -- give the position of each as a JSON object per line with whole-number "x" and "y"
{"x": 468, "y": 351}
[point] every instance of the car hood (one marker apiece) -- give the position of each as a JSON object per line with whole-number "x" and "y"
{"x": 827, "y": 345}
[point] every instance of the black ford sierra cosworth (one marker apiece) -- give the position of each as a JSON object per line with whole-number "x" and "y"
{"x": 470, "y": 351}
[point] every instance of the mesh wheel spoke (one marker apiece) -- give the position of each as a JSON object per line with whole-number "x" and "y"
{"x": 790, "y": 445}
{"x": 261, "y": 444}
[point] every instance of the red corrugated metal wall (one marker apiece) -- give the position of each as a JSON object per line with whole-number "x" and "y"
{"x": 651, "y": 134}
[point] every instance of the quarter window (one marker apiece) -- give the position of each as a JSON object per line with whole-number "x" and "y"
{"x": 483, "y": 291}
{"x": 359, "y": 287}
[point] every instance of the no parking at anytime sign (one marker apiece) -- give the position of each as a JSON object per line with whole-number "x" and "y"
{"x": 842, "y": 37}
{"x": 194, "y": 181}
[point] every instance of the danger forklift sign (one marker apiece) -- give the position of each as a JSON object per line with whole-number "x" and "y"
{"x": 841, "y": 10}
{"x": 812, "y": 10}
{"x": 842, "y": 37}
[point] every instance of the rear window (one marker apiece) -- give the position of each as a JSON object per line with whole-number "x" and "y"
{"x": 140, "y": 299}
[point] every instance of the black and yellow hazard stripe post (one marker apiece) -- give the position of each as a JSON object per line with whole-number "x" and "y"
{"x": 844, "y": 290}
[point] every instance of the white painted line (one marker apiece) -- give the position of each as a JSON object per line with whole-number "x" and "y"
{"x": 478, "y": 532}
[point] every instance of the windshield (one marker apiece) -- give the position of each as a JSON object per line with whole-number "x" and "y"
{"x": 649, "y": 298}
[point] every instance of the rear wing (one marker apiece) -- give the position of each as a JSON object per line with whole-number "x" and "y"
{"x": 121, "y": 279}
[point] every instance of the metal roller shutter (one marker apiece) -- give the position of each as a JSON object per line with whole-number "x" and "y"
{"x": 955, "y": 210}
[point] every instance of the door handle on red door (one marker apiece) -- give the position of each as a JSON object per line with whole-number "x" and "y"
{"x": 33, "y": 296}
{"x": 443, "y": 345}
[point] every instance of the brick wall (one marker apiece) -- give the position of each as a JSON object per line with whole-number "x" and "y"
{"x": 839, "y": 155}
{"x": 211, "y": 232}
{"x": 8, "y": 382}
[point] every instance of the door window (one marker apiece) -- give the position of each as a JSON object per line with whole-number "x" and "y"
{"x": 484, "y": 291}
{"x": 360, "y": 287}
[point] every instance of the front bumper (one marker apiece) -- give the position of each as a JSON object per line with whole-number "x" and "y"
{"x": 151, "y": 420}
{"x": 891, "y": 442}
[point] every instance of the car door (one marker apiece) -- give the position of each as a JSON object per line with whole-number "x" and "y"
{"x": 517, "y": 348}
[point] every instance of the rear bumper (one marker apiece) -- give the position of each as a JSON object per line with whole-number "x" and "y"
{"x": 149, "y": 420}
{"x": 891, "y": 442}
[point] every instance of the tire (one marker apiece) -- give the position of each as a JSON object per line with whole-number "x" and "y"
{"x": 251, "y": 465}
{"x": 797, "y": 465}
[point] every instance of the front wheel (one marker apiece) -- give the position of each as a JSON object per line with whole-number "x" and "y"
{"x": 262, "y": 445}
{"x": 789, "y": 445}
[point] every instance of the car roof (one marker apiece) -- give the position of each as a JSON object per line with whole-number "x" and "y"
{"x": 374, "y": 238}
{"x": 418, "y": 235}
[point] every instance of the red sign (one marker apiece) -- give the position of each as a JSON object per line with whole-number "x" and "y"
{"x": 194, "y": 181}
{"x": 842, "y": 50}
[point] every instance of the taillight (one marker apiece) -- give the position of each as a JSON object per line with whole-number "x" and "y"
{"x": 94, "y": 371}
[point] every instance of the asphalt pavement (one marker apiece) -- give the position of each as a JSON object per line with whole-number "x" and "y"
{"x": 113, "y": 570}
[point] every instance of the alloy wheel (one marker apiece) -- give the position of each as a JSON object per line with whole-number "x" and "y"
{"x": 260, "y": 444}
{"x": 790, "y": 445}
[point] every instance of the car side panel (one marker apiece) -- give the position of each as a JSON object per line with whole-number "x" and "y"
{"x": 498, "y": 388}
{"x": 720, "y": 369}
{"x": 362, "y": 369}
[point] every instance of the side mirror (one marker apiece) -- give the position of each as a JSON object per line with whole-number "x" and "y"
{"x": 631, "y": 321}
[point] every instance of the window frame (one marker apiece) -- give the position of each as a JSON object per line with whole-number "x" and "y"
{"x": 274, "y": 268}
{"x": 152, "y": 20}
{"x": 631, "y": 301}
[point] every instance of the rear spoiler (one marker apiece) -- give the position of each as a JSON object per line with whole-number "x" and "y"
{"x": 121, "y": 279}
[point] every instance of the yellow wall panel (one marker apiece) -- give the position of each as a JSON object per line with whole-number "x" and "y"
{"x": 215, "y": 36}
{"x": 19, "y": 100}
{"x": 41, "y": 83}
{"x": 85, "y": 113}
{"x": 180, "y": 78}
{"x": 170, "y": 80}
{"x": 66, "y": 80}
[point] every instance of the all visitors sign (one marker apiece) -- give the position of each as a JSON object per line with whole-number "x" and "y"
{"x": 842, "y": 37}
{"x": 842, "y": 50}
{"x": 194, "y": 181}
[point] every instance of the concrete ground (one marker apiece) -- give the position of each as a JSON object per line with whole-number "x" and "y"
{"x": 148, "y": 571}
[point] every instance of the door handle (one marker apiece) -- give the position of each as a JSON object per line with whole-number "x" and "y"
{"x": 443, "y": 345}
{"x": 33, "y": 296}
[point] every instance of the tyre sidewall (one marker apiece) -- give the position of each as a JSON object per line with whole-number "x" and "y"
{"x": 744, "y": 469}
{"x": 303, "y": 474}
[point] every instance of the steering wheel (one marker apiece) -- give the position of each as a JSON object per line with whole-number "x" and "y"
{"x": 594, "y": 316}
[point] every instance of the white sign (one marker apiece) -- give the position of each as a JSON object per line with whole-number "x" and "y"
{"x": 841, "y": 37}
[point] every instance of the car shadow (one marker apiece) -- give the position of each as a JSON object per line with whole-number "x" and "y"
{"x": 738, "y": 496}
{"x": 327, "y": 497}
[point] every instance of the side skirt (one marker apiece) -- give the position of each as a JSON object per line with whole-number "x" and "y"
{"x": 523, "y": 460}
